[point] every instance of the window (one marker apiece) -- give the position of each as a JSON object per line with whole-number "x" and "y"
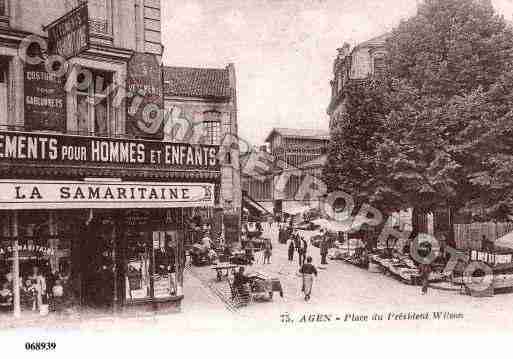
{"x": 3, "y": 8}
{"x": 340, "y": 81}
{"x": 100, "y": 15}
{"x": 94, "y": 110}
{"x": 212, "y": 127}
{"x": 379, "y": 66}
{"x": 4, "y": 65}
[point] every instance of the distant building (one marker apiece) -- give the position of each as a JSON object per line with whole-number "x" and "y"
{"x": 365, "y": 60}
{"x": 299, "y": 152}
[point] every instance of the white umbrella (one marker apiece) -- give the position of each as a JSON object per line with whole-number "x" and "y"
{"x": 505, "y": 241}
{"x": 297, "y": 210}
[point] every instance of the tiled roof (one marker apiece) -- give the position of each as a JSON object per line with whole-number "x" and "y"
{"x": 300, "y": 133}
{"x": 196, "y": 82}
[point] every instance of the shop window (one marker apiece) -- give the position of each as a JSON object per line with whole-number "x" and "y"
{"x": 162, "y": 251}
{"x": 4, "y": 83}
{"x": 94, "y": 106}
{"x": 212, "y": 127}
{"x": 138, "y": 271}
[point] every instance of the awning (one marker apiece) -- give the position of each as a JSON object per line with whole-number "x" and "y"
{"x": 255, "y": 209}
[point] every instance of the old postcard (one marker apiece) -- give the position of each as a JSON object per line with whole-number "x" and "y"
{"x": 230, "y": 167}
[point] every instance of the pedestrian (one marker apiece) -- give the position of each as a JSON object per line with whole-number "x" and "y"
{"x": 308, "y": 270}
{"x": 425, "y": 271}
{"x": 268, "y": 251}
{"x": 291, "y": 250}
{"x": 324, "y": 248}
{"x": 303, "y": 247}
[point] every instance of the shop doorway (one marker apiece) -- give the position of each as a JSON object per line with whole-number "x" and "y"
{"x": 97, "y": 265}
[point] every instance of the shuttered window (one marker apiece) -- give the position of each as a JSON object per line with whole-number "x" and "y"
{"x": 379, "y": 66}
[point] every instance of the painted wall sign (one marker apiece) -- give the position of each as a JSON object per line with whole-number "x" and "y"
{"x": 45, "y": 99}
{"x": 79, "y": 150}
{"x": 68, "y": 36}
{"x": 144, "y": 82}
{"x": 17, "y": 194}
{"x": 27, "y": 250}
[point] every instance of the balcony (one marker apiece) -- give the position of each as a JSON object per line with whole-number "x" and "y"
{"x": 100, "y": 31}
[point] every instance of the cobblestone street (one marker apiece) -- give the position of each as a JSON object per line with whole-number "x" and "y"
{"x": 342, "y": 289}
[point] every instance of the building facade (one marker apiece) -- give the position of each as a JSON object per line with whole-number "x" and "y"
{"x": 201, "y": 105}
{"x": 363, "y": 61}
{"x": 96, "y": 195}
{"x": 296, "y": 153}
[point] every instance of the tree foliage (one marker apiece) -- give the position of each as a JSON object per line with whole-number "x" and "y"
{"x": 450, "y": 87}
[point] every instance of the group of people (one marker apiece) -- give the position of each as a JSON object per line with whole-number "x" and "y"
{"x": 36, "y": 290}
{"x": 297, "y": 244}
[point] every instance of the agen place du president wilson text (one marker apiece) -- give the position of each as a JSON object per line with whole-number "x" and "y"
{"x": 30, "y": 147}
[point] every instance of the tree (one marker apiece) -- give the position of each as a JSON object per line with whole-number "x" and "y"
{"x": 351, "y": 156}
{"x": 447, "y": 139}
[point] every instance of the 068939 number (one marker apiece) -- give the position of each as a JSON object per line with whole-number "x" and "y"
{"x": 40, "y": 346}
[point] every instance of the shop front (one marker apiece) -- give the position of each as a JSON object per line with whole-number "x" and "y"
{"x": 83, "y": 242}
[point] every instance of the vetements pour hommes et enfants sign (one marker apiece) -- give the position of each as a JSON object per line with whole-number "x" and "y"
{"x": 81, "y": 150}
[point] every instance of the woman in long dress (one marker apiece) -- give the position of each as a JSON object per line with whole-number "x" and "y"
{"x": 308, "y": 271}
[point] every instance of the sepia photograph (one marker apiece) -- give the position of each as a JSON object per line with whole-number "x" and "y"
{"x": 298, "y": 169}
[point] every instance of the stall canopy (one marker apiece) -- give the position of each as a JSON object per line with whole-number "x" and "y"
{"x": 349, "y": 225}
{"x": 505, "y": 241}
{"x": 297, "y": 209}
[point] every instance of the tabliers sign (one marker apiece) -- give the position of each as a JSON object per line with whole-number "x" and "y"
{"x": 16, "y": 194}
{"x": 68, "y": 36}
{"x": 78, "y": 150}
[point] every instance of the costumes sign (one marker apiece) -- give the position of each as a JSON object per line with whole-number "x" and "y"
{"x": 45, "y": 99}
{"x": 16, "y": 194}
{"x": 80, "y": 150}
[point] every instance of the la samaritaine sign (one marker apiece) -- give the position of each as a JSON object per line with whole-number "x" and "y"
{"x": 81, "y": 150}
{"x": 26, "y": 194}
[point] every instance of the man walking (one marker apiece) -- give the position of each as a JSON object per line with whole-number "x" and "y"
{"x": 268, "y": 251}
{"x": 425, "y": 271}
{"x": 308, "y": 271}
{"x": 302, "y": 249}
{"x": 324, "y": 247}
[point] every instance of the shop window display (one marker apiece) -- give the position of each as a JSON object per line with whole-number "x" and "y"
{"x": 141, "y": 256}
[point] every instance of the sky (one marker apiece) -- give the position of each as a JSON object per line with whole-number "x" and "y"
{"x": 283, "y": 50}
